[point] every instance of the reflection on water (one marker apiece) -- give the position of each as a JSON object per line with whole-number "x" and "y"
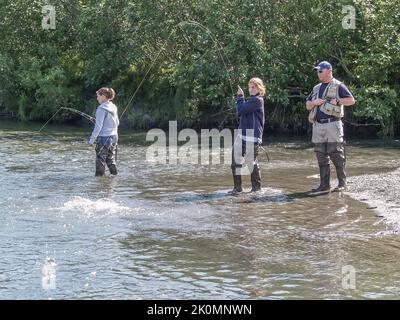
{"x": 173, "y": 232}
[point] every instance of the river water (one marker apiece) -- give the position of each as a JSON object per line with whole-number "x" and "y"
{"x": 171, "y": 232}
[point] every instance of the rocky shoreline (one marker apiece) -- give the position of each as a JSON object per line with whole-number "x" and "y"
{"x": 381, "y": 193}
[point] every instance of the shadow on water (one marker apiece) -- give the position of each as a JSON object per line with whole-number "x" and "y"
{"x": 286, "y": 198}
{"x": 249, "y": 197}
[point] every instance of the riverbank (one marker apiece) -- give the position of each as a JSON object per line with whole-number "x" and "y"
{"x": 381, "y": 193}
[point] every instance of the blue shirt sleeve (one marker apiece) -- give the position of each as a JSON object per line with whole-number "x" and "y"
{"x": 251, "y": 105}
{"x": 344, "y": 92}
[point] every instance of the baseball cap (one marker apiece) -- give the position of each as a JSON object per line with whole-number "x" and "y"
{"x": 323, "y": 65}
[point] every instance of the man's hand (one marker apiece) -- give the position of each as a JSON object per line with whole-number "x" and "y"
{"x": 319, "y": 102}
{"x": 240, "y": 91}
{"x": 334, "y": 101}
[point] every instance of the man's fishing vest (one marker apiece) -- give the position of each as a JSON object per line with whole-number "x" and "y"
{"x": 331, "y": 92}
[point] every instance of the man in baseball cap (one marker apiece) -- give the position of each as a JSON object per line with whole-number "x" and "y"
{"x": 326, "y": 104}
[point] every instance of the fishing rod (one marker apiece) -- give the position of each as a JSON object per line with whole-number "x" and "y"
{"x": 228, "y": 69}
{"x": 85, "y": 115}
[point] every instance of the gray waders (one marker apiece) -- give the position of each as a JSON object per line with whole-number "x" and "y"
{"x": 336, "y": 152}
{"x": 106, "y": 155}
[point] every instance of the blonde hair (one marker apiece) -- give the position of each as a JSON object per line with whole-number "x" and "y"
{"x": 109, "y": 93}
{"x": 259, "y": 84}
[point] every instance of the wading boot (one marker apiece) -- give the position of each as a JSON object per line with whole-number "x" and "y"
{"x": 341, "y": 175}
{"x": 237, "y": 183}
{"x": 338, "y": 158}
{"x": 256, "y": 179}
{"x": 113, "y": 169}
{"x": 237, "y": 188}
{"x": 325, "y": 177}
{"x": 100, "y": 169}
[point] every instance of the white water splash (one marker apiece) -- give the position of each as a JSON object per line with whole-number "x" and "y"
{"x": 93, "y": 206}
{"x": 342, "y": 210}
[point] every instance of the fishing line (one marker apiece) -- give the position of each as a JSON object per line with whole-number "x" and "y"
{"x": 49, "y": 120}
{"x": 188, "y": 22}
{"x": 213, "y": 38}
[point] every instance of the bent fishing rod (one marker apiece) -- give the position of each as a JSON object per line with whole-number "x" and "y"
{"x": 85, "y": 115}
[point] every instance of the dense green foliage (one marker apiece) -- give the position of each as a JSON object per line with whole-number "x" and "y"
{"x": 115, "y": 42}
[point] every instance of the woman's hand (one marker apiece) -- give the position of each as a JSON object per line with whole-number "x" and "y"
{"x": 240, "y": 91}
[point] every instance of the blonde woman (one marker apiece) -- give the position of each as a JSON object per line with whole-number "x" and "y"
{"x": 248, "y": 142}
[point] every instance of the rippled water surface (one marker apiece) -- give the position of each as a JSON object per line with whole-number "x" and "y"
{"x": 171, "y": 231}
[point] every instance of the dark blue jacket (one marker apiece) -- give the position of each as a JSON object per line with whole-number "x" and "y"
{"x": 251, "y": 114}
